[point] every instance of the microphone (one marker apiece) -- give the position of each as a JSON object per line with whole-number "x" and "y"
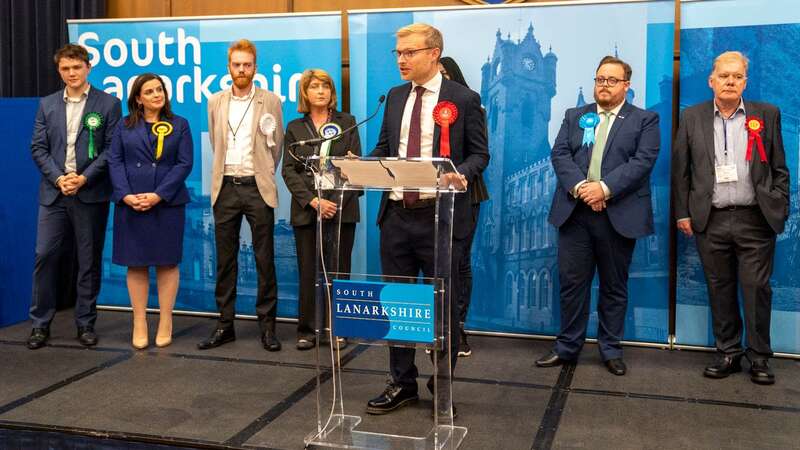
{"x": 319, "y": 140}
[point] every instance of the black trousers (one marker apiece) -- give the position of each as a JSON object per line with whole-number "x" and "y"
{"x": 737, "y": 248}
{"x": 68, "y": 220}
{"x": 305, "y": 240}
{"x": 464, "y": 290}
{"x": 407, "y": 248}
{"x": 588, "y": 242}
{"x": 234, "y": 202}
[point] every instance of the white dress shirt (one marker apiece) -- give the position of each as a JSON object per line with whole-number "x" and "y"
{"x": 75, "y": 107}
{"x": 239, "y": 154}
{"x": 429, "y": 100}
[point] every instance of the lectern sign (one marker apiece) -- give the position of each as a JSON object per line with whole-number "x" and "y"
{"x": 383, "y": 311}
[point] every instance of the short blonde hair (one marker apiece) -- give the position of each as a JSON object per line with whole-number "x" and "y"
{"x": 433, "y": 37}
{"x": 304, "y": 105}
{"x": 731, "y": 56}
{"x": 242, "y": 45}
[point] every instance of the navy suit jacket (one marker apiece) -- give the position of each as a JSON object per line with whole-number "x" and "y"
{"x": 468, "y": 143}
{"x": 133, "y": 166}
{"x": 49, "y": 145}
{"x": 630, "y": 153}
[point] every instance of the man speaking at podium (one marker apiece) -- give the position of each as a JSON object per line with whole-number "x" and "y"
{"x": 406, "y": 220}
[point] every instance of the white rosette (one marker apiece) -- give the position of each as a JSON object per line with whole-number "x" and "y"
{"x": 267, "y": 125}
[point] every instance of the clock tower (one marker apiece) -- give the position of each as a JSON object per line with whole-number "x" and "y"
{"x": 515, "y": 246}
{"x": 517, "y": 86}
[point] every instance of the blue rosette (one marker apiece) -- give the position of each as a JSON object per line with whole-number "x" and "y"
{"x": 588, "y": 122}
{"x": 330, "y": 130}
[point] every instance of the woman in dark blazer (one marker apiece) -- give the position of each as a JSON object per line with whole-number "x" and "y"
{"x": 150, "y": 159}
{"x": 477, "y": 193}
{"x": 318, "y": 105}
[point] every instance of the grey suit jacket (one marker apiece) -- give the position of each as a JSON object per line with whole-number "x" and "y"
{"x": 693, "y": 175}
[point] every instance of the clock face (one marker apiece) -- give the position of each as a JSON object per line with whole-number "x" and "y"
{"x": 528, "y": 64}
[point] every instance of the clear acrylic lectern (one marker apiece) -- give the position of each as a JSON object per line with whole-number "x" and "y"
{"x": 337, "y": 421}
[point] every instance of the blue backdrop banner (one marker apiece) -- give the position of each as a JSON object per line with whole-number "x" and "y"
{"x": 19, "y": 208}
{"x": 528, "y": 71}
{"x": 191, "y": 55}
{"x": 768, "y": 33}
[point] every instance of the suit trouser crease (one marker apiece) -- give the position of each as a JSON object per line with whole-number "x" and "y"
{"x": 87, "y": 223}
{"x": 234, "y": 202}
{"x": 589, "y": 242}
{"x": 407, "y": 247}
{"x": 737, "y": 250}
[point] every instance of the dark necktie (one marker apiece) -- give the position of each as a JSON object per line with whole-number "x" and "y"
{"x": 414, "y": 141}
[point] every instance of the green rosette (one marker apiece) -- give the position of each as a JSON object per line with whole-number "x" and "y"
{"x": 92, "y": 121}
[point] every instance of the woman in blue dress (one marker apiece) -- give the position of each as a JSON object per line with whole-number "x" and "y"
{"x": 150, "y": 159}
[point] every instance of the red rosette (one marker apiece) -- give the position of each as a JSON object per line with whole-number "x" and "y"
{"x": 445, "y": 114}
{"x": 754, "y": 127}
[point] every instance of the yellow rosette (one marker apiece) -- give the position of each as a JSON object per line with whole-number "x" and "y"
{"x": 161, "y": 129}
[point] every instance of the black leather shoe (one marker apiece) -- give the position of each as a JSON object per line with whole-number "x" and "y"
{"x": 87, "y": 337}
{"x": 218, "y": 337}
{"x": 271, "y": 343}
{"x": 760, "y": 373}
{"x": 616, "y": 366}
{"x": 429, "y": 385}
{"x": 393, "y": 397}
{"x": 726, "y": 365}
{"x": 551, "y": 360}
{"x": 38, "y": 338}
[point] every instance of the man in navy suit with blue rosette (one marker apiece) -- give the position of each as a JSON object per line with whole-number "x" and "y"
{"x": 72, "y": 132}
{"x": 602, "y": 156}
{"x": 411, "y": 128}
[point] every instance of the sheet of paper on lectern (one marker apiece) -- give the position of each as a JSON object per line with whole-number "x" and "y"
{"x": 388, "y": 173}
{"x": 414, "y": 174}
{"x": 364, "y": 173}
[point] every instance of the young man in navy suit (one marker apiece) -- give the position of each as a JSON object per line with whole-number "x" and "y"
{"x": 72, "y": 132}
{"x": 407, "y": 221}
{"x": 602, "y": 157}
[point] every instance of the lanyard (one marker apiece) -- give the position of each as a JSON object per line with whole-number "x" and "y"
{"x": 308, "y": 123}
{"x": 240, "y": 120}
{"x": 725, "y": 134}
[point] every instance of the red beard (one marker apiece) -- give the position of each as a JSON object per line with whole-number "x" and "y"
{"x": 243, "y": 81}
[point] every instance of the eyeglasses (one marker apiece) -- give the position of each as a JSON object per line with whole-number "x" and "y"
{"x": 611, "y": 81}
{"x": 407, "y": 54}
{"x": 737, "y": 77}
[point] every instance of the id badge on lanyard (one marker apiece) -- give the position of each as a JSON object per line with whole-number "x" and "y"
{"x": 725, "y": 173}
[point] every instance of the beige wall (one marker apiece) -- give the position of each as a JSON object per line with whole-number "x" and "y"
{"x": 164, "y": 8}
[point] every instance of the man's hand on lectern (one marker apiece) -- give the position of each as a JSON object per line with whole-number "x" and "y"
{"x": 455, "y": 180}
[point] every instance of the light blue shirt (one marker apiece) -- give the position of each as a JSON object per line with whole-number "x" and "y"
{"x": 730, "y": 147}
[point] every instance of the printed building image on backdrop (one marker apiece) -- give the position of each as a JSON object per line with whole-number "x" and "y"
{"x": 528, "y": 72}
{"x": 191, "y": 57}
{"x": 768, "y": 46}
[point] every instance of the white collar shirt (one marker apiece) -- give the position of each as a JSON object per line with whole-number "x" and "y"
{"x": 239, "y": 152}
